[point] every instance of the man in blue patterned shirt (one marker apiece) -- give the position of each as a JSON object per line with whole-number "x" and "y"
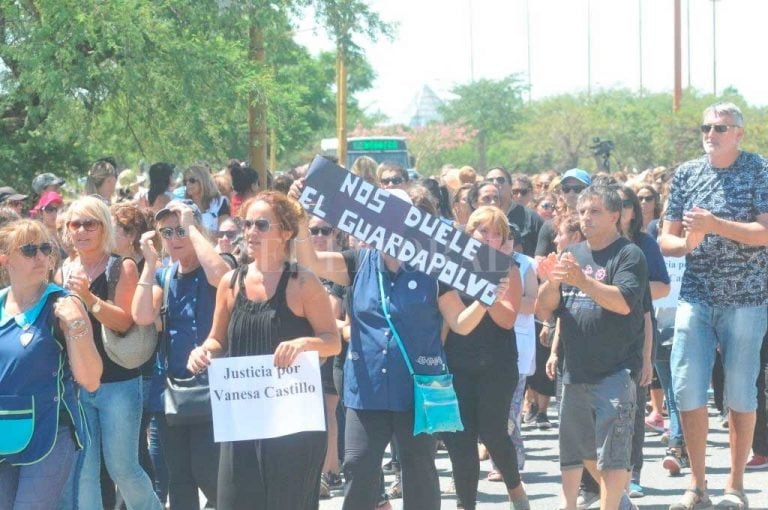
{"x": 717, "y": 216}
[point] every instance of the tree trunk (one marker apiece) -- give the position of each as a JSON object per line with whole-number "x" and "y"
{"x": 341, "y": 103}
{"x": 257, "y": 110}
{"x": 482, "y": 152}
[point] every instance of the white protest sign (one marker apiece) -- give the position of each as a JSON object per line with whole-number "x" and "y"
{"x": 253, "y": 399}
{"x": 675, "y": 268}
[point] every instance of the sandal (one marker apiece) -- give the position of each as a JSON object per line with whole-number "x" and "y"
{"x": 734, "y": 499}
{"x": 693, "y": 499}
{"x": 495, "y": 476}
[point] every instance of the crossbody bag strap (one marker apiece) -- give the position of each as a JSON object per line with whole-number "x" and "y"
{"x": 168, "y": 273}
{"x": 385, "y": 308}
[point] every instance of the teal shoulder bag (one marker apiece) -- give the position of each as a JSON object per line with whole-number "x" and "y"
{"x": 435, "y": 407}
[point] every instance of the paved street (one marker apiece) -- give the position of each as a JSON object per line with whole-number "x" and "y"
{"x": 542, "y": 477}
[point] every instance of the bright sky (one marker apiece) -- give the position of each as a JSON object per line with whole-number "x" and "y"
{"x": 442, "y": 43}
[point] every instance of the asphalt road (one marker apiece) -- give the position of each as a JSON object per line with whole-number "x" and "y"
{"x": 542, "y": 475}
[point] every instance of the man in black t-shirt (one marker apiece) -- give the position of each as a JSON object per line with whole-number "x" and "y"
{"x": 597, "y": 289}
{"x": 526, "y": 220}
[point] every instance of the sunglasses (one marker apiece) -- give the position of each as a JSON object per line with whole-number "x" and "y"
{"x": 229, "y": 234}
{"x": 168, "y": 232}
{"x": 50, "y": 209}
{"x": 521, "y": 192}
{"x": 30, "y": 250}
{"x": 572, "y": 189}
{"x": 191, "y": 180}
{"x": 261, "y": 225}
{"x": 489, "y": 199}
{"x": 324, "y": 231}
{"x": 627, "y": 203}
{"x": 392, "y": 180}
{"x": 719, "y": 128}
{"x": 88, "y": 225}
{"x": 547, "y": 206}
{"x": 648, "y": 198}
{"x": 496, "y": 180}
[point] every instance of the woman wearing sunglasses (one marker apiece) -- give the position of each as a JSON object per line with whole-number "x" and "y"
{"x": 114, "y": 411}
{"x": 650, "y": 204}
{"x": 194, "y": 273}
{"x": 202, "y": 190}
{"x": 270, "y": 307}
{"x": 46, "y": 346}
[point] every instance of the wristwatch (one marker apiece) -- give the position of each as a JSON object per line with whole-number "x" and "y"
{"x": 96, "y": 307}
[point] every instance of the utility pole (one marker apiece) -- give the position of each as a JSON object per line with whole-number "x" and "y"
{"x": 528, "y": 35}
{"x": 471, "y": 46}
{"x": 589, "y": 49}
{"x": 714, "y": 48}
{"x": 678, "y": 93}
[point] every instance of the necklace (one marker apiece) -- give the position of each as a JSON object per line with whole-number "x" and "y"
{"x": 94, "y": 269}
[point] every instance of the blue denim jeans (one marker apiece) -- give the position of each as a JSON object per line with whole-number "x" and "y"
{"x": 738, "y": 333}
{"x": 114, "y": 418}
{"x": 675, "y": 427}
{"x": 39, "y": 485}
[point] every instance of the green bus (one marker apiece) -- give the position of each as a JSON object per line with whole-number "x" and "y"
{"x": 379, "y": 148}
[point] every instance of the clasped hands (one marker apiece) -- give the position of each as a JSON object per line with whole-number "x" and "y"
{"x": 562, "y": 270}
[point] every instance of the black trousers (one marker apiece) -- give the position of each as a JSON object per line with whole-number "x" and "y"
{"x": 193, "y": 462}
{"x": 272, "y": 474}
{"x": 484, "y": 400}
{"x": 367, "y": 435}
{"x": 760, "y": 439}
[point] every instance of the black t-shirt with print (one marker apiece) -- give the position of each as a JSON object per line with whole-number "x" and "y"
{"x": 597, "y": 342}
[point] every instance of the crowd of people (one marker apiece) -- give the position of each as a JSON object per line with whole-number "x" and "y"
{"x": 204, "y": 263}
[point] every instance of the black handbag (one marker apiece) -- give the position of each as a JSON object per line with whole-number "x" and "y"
{"x": 186, "y": 401}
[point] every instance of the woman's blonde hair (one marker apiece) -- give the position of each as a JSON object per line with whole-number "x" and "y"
{"x": 17, "y": 233}
{"x": 203, "y": 175}
{"x": 488, "y": 215}
{"x": 96, "y": 209}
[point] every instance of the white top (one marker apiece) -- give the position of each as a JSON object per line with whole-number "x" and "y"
{"x": 525, "y": 325}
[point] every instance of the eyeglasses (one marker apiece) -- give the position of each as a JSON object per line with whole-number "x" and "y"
{"x": 262, "y": 225}
{"x": 497, "y": 180}
{"x": 547, "y": 206}
{"x": 191, "y": 180}
{"x": 719, "y": 128}
{"x": 627, "y": 203}
{"x": 489, "y": 199}
{"x": 30, "y": 250}
{"x": 229, "y": 234}
{"x": 392, "y": 180}
{"x": 572, "y": 189}
{"x": 647, "y": 198}
{"x": 521, "y": 192}
{"x": 324, "y": 231}
{"x": 50, "y": 209}
{"x": 168, "y": 232}
{"x": 88, "y": 225}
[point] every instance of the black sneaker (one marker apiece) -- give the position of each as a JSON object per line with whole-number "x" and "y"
{"x": 530, "y": 416}
{"x": 542, "y": 422}
{"x": 334, "y": 480}
{"x": 391, "y": 468}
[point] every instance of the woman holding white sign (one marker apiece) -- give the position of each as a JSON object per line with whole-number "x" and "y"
{"x": 378, "y": 387}
{"x": 270, "y": 307}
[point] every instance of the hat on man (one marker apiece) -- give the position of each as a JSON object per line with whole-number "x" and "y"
{"x": 48, "y": 198}
{"x": 42, "y": 181}
{"x": 162, "y": 213}
{"x": 579, "y": 175}
{"x": 8, "y": 194}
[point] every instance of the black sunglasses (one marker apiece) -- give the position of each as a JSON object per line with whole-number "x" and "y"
{"x": 229, "y": 234}
{"x": 50, "y": 208}
{"x": 261, "y": 225}
{"x": 30, "y": 250}
{"x": 497, "y": 180}
{"x": 167, "y": 232}
{"x": 392, "y": 180}
{"x": 325, "y": 231}
{"x": 88, "y": 225}
{"x": 719, "y": 128}
{"x": 574, "y": 189}
{"x": 521, "y": 192}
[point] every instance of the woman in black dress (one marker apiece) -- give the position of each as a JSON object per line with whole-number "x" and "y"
{"x": 270, "y": 307}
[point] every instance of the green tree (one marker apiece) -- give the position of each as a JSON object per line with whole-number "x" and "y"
{"x": 491, "y": 107}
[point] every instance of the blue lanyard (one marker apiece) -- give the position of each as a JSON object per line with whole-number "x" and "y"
{"x": 388, "y": 317}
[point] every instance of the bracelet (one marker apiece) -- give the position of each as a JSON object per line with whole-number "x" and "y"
{"x": 75, "y": 324}
{"x": 145, "y": 284}
{"x": 77, "y": 335}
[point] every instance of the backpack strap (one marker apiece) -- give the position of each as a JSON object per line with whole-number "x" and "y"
{"x": 114, "y": 264}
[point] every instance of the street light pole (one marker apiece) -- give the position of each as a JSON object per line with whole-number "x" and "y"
{"x": 471, "y": 46}
{"x": 640, "y": 40}
{"x": 528, "y": 36}
{"x": 589, "y": 49}
{"x": 714, "y": 48}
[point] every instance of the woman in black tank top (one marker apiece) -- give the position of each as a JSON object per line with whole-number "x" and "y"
{"x": 270, "y": 307}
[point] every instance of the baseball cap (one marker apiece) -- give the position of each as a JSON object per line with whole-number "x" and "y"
{"x": 578, "y": 174}
{"x": 162, "y": 213}
{"x": 47, "y": 198}
{"x": 44, "y": 180}
{"x": 9, "y": 194}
